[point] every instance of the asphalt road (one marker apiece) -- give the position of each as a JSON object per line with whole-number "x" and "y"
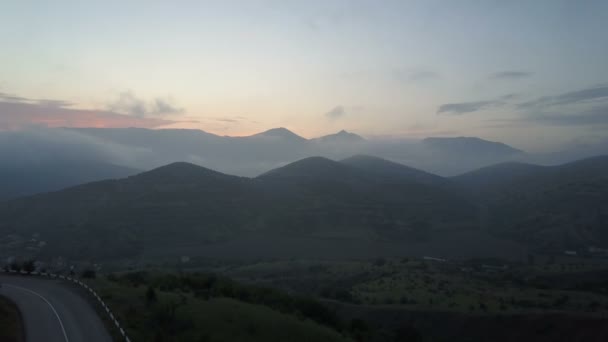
{"x": 52, "y": 311}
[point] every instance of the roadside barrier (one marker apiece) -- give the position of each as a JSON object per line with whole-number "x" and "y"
{"x": 81, "y": 284}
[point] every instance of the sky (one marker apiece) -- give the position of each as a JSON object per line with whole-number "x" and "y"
{"x": 533, "y": 74}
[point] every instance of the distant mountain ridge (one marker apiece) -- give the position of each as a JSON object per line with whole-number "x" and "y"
{"x": 470, "y": 145}
{"x": 255, "y": 154}
{"x": 340, "y": 137}
{"x": 280, "y": 133}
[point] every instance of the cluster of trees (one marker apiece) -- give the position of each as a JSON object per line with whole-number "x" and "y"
{"x": 28, "y": 266}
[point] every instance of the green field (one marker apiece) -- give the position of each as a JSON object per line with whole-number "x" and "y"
{"x": 202, "y": 308}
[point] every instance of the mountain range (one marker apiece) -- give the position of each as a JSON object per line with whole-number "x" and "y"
{"x": 181, "y": 202}
{"x": 365, "y": 205}
{"x": 253, "y": 155}
{"x": 65, "y": 153}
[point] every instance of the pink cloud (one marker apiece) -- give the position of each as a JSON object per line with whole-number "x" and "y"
{"x": 15, "y": 115}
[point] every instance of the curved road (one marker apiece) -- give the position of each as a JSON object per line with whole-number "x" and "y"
{"x": 52, "y": 311}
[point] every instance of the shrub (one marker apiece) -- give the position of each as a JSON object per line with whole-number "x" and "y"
{"x": 150, "y": 295}
{"x": 89, "y": 273}
{"x": 29, "y": 266}
{"x": 380, "y": 262}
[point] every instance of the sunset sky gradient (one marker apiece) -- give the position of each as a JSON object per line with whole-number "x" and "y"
{"x": 530, "y": 73}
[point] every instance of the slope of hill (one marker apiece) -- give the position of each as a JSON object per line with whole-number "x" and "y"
{"x": 563, "y": 206}
{"x": 321, "y": 197}
{"x": 27, "y": 178}
{"x": 392, "y": 171}
{"x": 507, "y": 177}
{"x": 496, "y": 176}
{"x": 174, "y": 203}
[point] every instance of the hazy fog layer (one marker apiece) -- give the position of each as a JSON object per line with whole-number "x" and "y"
{"x": 250, "y": 156}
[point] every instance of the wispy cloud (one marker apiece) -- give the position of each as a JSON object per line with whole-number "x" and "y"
{"x": 596, "y": 116}
{"x": 510, "y": 75}
{"x": 467, "y": 107}
{"x": 13, "y": 98}
{"x": 584, "y": 107}
{"x": 229, "y": 120}
{"x": 336, "y": 113}
{"x": 573, "y": 97}
{"x": 129, "y": 103}
{"x": 4, "y": 97}
{"x": 511, "y": 96}
{"x": 534, "y": 108}
{"x": 54, "y": 103}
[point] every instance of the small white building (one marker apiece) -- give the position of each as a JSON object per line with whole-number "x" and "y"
{"x": 433, "y": 259}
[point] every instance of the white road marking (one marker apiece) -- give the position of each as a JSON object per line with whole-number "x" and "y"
{"x": 49, "y": 303}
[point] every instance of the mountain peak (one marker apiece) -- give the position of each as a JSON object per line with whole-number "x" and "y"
{"x": 280, "y": 132}
{"x": 342, "y": 136}
{"x": 317, "y": 168}
{"x": 179, "y": 171}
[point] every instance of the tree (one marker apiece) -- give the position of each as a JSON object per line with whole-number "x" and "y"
{"x": 531, "y": 259}
{"x": 15, "y": 266}
{"x": 379, "y": 262}
{"x": 483, "y": 306}
{"x": 89, "y": 273}
{"x": 408, "y": 333}
{"x": 360, "y": 330}
{"x": 29, "y": 266}
{"x": 150, "y": 295}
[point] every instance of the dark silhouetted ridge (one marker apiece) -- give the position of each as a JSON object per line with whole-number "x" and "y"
{"x": 317, "y": 168}
{"x": 552, "y": 206}
{"x": 180, "y": 171}
{"x": 592, "y": 166}
{"x": 498, "y": 174}
{"x": 391, "y": 171}
{"x": 519, "y": 175}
